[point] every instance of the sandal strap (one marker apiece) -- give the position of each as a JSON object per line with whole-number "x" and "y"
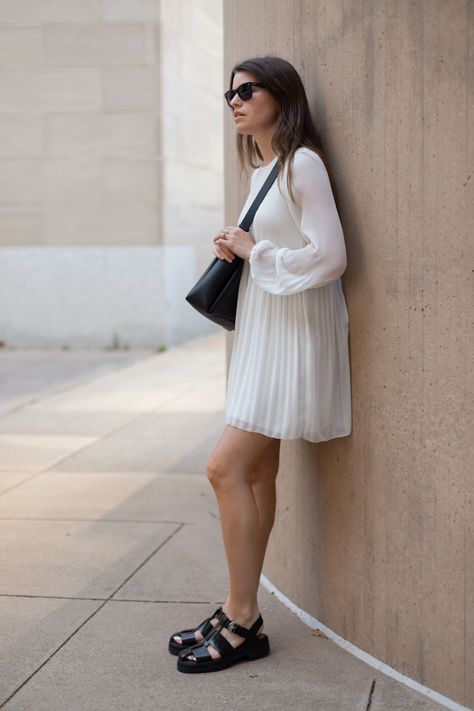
{"x": 199, "y": 651}
{"x": 219, "y": 642}
{"x": 206, "y": 625}
{"x": 188, "y": 637}
{"x": 242, "y": 631}
{"x": 208, "y": 619}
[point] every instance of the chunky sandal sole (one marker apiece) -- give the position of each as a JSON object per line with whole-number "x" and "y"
{"x": 257, "y": 648}
{"x": 175, "y": 647}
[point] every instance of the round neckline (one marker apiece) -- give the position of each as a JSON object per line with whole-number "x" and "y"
{"x": 268, "y": 164}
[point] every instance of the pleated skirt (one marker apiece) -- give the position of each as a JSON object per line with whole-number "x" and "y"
{"x": 289, "y": 374}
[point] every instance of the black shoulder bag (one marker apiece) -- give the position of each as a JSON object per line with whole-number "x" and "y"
{"x": 215, "y": 293}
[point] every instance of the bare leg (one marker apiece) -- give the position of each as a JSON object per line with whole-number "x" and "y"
{"x": 263, "y": 482}
{"x": 263, "y": 475}
{"x": 240, "y": 478}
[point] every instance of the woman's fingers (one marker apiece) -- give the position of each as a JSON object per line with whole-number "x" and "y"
{"x": 222, "y": 251}
{"x": 228, "y": 256}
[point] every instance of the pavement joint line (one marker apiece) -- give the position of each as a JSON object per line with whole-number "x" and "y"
{"x": 104, "y": 436}
{"x": 170, "y": 602}
{"x": 72, "y": 384}
{"x": 93, "y": 614}
{"x": 35, "y": 475}
{"x": 116, "y": 599}
{"x": 137, "y": 416}
{"x": 20, "y": 483}
{"x": 91, "y": 520}
{"x": 371, "y": 694}
{"x": 156, "y": 411}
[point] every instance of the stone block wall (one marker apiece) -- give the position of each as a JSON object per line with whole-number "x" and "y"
{"x": 110, "y": 156}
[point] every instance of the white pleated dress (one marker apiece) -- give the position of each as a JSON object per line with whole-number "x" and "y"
{"x": 289, "y": 374}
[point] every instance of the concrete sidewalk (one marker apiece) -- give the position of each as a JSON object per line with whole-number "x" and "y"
{"x": 110, "y": 542}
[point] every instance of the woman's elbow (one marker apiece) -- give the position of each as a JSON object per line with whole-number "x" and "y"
{"x": 341, "y": 264}
{"x": 335, "y": 267}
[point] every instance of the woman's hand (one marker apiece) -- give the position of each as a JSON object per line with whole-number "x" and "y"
{"x": 233, "y": 241}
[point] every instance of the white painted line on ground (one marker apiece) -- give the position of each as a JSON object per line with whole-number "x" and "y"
{"x": 352, "y": 649}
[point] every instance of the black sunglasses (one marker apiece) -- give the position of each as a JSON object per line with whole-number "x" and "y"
{"x": 244, "y": 91}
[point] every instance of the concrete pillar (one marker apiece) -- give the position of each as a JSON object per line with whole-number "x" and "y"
{"x": 374, "y": 533}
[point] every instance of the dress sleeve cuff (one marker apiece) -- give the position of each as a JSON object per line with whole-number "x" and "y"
{"x": 259, "y": 247}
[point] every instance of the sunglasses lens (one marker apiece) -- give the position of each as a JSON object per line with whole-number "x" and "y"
{"x": 245, "y": 91}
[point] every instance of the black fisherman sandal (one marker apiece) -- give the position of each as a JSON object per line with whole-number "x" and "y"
{"x": 188, "y": 637}
{"x": 253, "y": 647}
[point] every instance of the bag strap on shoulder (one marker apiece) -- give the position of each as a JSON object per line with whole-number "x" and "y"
{"x": 248, "y": 219}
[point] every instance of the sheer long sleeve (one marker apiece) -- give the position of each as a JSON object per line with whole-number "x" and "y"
{"x": 281, "y": 270}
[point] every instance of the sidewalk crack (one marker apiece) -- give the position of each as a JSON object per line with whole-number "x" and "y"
{"x": 84, "y": 622}
{"x": 371, "y": 693}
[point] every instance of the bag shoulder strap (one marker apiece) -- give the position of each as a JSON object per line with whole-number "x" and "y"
{"x": 248, "y": 219}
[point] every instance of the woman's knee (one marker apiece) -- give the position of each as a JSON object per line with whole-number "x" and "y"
{"x": 221, "y": 472}
{"x": 235, "y": 455}
{"x": 213, "y": 467}
{"x": 216, "y": 470}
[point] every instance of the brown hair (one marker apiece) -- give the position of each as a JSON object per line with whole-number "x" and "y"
{"x": 295, "y": 126}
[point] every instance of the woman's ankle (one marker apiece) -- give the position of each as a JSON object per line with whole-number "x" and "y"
{"x": 243, "y": 615}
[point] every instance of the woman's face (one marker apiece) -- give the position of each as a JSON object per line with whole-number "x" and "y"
{"x": 256, "y": 114}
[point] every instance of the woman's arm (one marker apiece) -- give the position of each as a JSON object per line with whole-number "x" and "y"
{"x": 281, "y": 270}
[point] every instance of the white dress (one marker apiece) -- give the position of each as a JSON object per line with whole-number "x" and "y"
{"x": 289, "y": 374}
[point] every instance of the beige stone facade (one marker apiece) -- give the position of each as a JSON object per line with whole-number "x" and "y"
{"x": 110, "y": 168}
{"x": 374, "y": 534}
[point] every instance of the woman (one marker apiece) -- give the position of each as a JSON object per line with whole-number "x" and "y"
{"x": 289, "y": 371}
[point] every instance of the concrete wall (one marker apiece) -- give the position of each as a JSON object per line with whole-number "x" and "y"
{"x": 374, "y": 533}
{"x": 110, "y": 168}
